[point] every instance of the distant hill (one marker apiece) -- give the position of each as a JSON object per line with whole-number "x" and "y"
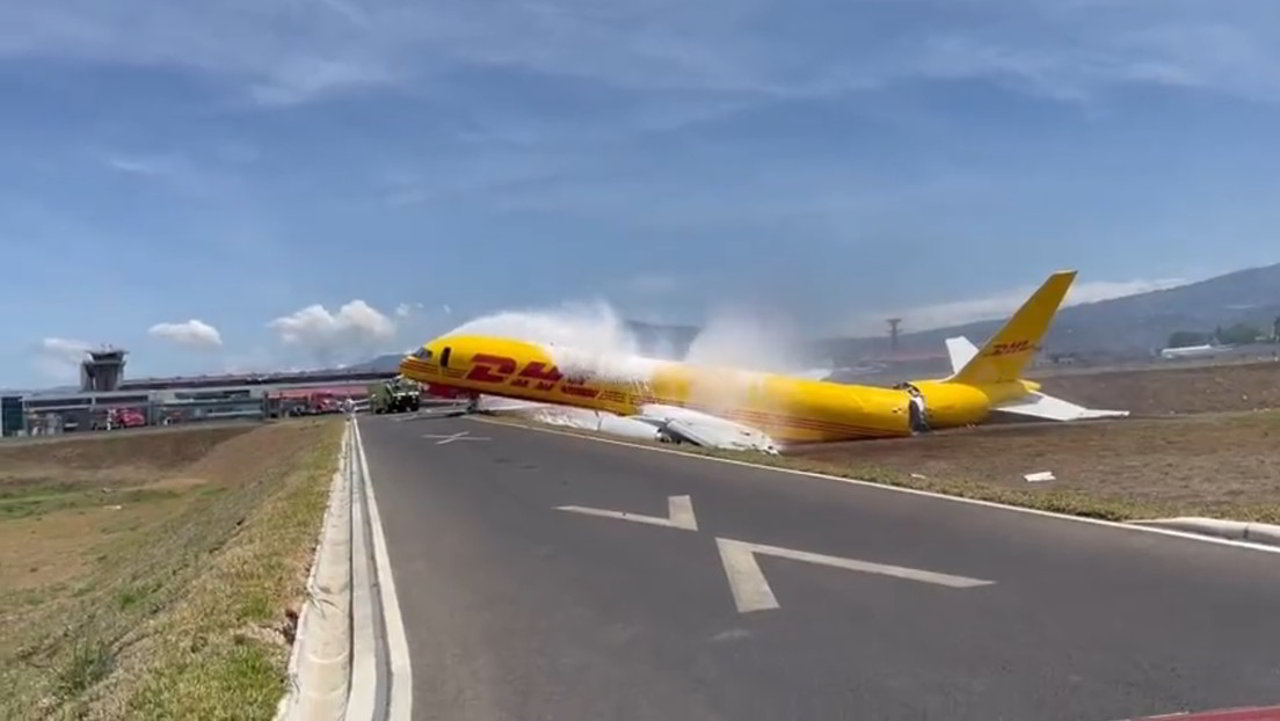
{"x": 389, "y": 363}
{"x": 1130, "y": 326}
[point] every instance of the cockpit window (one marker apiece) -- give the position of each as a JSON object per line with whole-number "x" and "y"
{"x": 423, "y": 353}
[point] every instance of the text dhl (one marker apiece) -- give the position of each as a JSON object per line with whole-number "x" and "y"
{"x": 536, "y": 375}
{"x": 1010, "y": 348}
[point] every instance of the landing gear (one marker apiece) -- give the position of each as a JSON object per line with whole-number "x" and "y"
{"x": 917, "y": 410}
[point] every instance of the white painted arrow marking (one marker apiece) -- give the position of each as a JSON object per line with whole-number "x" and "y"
{"x": 679, "y": 514}
{"x": 751, "y": 590}
{"x": 459, "y": 436}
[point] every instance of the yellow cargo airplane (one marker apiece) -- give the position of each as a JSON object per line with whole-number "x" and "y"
{"x": 730, "y": 408}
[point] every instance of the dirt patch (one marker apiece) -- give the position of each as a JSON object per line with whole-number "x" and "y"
{"x": 43, "y": 551}
{"x": 1202, "y": 389}
{"x": 119, "y": 459}
{"x": 159, "y": 449}
{"x": 1224, "y": 464}
{"x": 90, "y": 589}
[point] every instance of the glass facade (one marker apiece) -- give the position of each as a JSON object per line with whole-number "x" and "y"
{"x": 10, "y": 415}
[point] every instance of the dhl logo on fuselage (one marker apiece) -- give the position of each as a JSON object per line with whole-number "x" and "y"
{"x": 540, "y": 376}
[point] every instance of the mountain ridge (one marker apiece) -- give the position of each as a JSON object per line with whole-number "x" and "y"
{"x": 1128, "y": 326}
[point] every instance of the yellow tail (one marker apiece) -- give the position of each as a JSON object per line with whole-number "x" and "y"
{"x": 1004, "y": 357}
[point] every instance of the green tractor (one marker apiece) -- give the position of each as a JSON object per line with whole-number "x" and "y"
{"x": 398, "y": 395}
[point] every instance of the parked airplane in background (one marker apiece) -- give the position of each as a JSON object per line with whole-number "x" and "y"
{"x": 1192, "y": 351}
{"x": 724, "y": 407}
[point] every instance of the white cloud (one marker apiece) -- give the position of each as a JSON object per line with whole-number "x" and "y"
{"x": 298, "y": 80}
{"x": 1093, "y": 291}
{"x": 149, "y": 165}
{"x": 175, "y": 171}
{"x": 354, "y": 329}
{"x": 404, "y": 310}
{"x": 59, "y": 358}
{"x": 194, "y": 333}
{"x": 1000, "y": 305}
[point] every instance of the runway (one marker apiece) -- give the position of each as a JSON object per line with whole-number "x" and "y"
{"x": 550, "y": 577}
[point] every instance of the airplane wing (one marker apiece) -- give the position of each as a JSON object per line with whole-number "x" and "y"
{"x": 498, "y": 404}
{"x": 704, "y": 429}
{"x": 1039, "y": 405}
{"x": 652, "y": 423}
{"x": 570, "y": 417}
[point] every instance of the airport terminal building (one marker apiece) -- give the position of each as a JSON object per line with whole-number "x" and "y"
{"x": 107, "y": 399}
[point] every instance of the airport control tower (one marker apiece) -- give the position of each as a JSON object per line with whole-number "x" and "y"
{"x": 102, "y": 370}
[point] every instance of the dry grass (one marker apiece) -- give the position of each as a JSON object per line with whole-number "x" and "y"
{"x": 1220, "y": 464}
{"x": 169, "y": 593}
{"x": 1165, "y": 390}
{"x": 1224, "y": 465}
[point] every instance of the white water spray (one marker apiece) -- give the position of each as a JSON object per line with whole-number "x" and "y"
{"x": 591, "y": 339}
{"x": 589, "y": 327}
{"x": 736, "y": 338}
{"x": 592, "y": 336}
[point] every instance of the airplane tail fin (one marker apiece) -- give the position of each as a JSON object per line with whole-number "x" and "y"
{"x": 1007, "y": 354}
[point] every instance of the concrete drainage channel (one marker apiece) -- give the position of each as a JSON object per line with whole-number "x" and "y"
{"x": 350, "y": 657}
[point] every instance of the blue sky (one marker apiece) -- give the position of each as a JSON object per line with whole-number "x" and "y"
{"x": 319, "y": 181}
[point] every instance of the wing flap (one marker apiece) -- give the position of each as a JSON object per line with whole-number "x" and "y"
{"x": 1039, "y": 405}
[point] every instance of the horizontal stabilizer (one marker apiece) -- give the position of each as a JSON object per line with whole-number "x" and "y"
{"x": 1039, "y": 405}
{"x": 961, "y": 351}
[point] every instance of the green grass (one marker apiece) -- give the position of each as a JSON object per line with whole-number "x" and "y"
{"x": 133, "y": 596}
{"x": 238, "y": 610}
{"x": 230, "y": 680}
{"x": 180, "y": 613}
{"x": 35, "y": 504}
{"x": 90, "y": 662}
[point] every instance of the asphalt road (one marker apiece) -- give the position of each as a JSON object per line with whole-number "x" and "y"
{"x": 517, "y": 610}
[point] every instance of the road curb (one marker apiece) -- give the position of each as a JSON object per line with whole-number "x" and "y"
{"x": 319, "y": 669}
{"x": 349, "y": 659}
{"x": 1264, "y": 533}
{"x": 367, "y": 696}
{"x": 395, "y": 670}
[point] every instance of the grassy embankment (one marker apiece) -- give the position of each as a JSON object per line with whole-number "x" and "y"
{"x": 157, "y": 575}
